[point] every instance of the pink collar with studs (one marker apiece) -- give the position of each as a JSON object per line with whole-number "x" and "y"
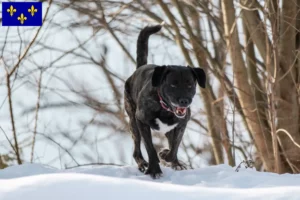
{"x": 163, "y": 104}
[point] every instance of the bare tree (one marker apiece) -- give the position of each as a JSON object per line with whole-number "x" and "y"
{"x": 248, "y": 48}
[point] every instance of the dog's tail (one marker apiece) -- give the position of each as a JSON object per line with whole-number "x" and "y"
{"x": 142, "y": 43}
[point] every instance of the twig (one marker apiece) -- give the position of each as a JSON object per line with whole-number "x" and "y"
{"x": 9, "y": 94}
{"x": 233, "y": 121}
{"x": 270, "y": 88}
{"x": 32, "y": 41}
{"x": 12, "y": 119}
{"x": 289, "y": 135}
{"x": 105, "y": 23}
{"x": 58, "y": 144}
{"x": 36, "y": 116}
{"x": 12, "y": 146}
{"x": 90, "y": 164}
{"x": 247, "y": 164}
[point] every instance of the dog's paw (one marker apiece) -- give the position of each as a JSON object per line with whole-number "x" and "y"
{"x": 178, "y": 165}
{"x": 143, "y": 165}
{"x": 163, "y": 154}
{"x": 166, "y": 155}
{"x": 154, "y": 171}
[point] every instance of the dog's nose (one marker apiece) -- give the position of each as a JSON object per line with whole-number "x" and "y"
{"x": 184, "y": 102}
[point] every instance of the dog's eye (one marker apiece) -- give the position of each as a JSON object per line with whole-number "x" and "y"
{"x": 173, "y": 86}
{"x": 189, "y": 86}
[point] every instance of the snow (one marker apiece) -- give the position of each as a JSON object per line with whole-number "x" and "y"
{"x": 38, "y": 182}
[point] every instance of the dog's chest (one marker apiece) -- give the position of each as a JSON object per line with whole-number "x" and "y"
{"x": 163, "y": 127}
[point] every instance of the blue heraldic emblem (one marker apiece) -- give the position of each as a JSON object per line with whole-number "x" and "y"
{"x": 22, "y": 14}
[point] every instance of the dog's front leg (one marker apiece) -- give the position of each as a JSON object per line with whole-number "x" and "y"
{"x": 153, "y": 168}
{"x": 174, "y": 140}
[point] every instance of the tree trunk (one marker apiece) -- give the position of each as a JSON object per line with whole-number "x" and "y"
{"x": 288, "y": 105}
{"x": 262, "y": 140}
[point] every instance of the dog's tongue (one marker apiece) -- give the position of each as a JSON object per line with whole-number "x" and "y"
{"x": 180, "y": 111}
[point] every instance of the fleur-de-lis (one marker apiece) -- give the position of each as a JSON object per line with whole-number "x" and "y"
{"x": 32, "y": 10}
{"x": 22, "y": 18}
{"x": 11, "y": 10}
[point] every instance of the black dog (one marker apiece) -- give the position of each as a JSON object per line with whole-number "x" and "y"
{"x": 158, "y": 97}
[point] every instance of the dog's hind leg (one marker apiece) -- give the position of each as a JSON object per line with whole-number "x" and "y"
{"x": 136, "y": 136}
{"x": 170, "y": 155}
{"x": 137, "y": 154}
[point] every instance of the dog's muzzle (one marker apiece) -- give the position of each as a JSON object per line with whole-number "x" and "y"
{"x": 177, "y": 110}
{"x": 180, "y": 112}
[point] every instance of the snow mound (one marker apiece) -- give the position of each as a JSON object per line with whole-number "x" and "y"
{"x": 38, "y": 182}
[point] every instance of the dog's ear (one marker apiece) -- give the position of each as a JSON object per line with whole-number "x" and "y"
{"x": 200, "y": 76}
{"x": 158, "y": 75}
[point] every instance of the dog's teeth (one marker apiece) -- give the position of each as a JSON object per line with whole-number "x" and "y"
{"x": 180, "y": 111}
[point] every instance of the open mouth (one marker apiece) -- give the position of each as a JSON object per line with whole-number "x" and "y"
{"x": 180, "y": 112}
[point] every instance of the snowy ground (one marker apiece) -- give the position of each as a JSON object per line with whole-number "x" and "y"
{"x": 37, "y": 182}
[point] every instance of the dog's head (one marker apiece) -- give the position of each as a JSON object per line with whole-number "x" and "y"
{"x": 177, "y": 85}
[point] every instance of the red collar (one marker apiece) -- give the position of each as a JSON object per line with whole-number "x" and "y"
{"x": 163, "y": 104}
